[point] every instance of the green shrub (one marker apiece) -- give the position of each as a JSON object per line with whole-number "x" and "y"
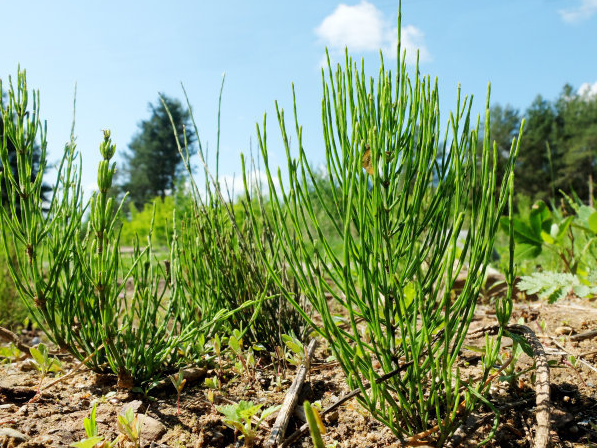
{"x": 75, "y": 288}
{"x": 219, "y": 266}
{"x": 155, "y": 218}
{"x": 402, "y": 192}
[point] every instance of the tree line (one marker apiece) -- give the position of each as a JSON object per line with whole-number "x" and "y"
{"x": 558, "y": 151}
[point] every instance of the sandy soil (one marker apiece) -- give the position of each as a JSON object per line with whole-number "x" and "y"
{"x": 56, "y": 419}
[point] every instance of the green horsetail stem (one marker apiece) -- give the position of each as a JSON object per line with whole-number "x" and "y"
{"x": 414, "y": 209}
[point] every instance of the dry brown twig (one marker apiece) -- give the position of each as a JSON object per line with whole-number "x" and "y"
{"x": 9, "y": 336}
{"x": 291, "y": 399}
{"x": 73, "y": 371}
{"x": 353, "y": 393}
{"x": 541, "y": 384}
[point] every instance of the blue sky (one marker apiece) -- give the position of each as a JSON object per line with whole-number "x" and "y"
{"x": 121, "y": 54}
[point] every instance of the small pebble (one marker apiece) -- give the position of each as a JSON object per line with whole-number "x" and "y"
{"x": 564, "y": 330}
{"x": 332, "y": 417}
{"x": 35, "y": 340}
{"x": 13, "y": 434}
{"x": 28, "y": 365}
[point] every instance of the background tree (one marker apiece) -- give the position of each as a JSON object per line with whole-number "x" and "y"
{"x": 153, "y": 164}
{"x": 576, "y": 134}
{"x": 535, "y": 166}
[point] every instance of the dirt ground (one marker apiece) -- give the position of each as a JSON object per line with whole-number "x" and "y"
{"x": 56, "y": 419}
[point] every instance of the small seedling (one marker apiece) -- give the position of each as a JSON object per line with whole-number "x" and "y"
{"x": 240, "y": 418}
{"x": 316, "y": 426}
{"x": 297, "y": 355}
{"x": 212, "y": 384}
{"x": 130, "y": 425}
{"x": 10, "y": 353}
{"x": 93, "y": 439}
{"x": 178, "y": 381}
{"x": 45, "y": 364}
{"x": 246, "y": 363}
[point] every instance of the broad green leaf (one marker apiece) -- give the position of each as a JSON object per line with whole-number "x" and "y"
{"x": 294, "y": 346}
{"x": 526, "y": 251}
{"x": 234, "y": 344}
{"x": 269, "y": 411}
{"x": 581, "y": 290}
{"x": 540, "y": 216}
{"x": 592, "y": 221}
{"x": 524, "y": 234}
{"x": 88, "y": 443}
{"x": 246, "y": 409}
{"x": 584, "y": 214}
{"x": 563, "y": 227}
{"x": 37, "y": 356}
{"x": 229, "y": 411}
{"x": 522, "y": 342}
{"x": 547, "y": 237}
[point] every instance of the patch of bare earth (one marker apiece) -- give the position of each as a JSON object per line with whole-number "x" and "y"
{"x": 56, "y": 419}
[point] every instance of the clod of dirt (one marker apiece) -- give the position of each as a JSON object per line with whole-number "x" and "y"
{"x": 564, "y": 330}
{"x": 11, "y": 437}
{"x": 152, "y": 428}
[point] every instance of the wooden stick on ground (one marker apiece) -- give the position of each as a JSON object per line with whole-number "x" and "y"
{"x": 353, "y": 393}
{"x": 541, "y": 385}
{"x": 585, "y": 335}
{"x": 290, "y": 400}
{"x": 9, "y": 336}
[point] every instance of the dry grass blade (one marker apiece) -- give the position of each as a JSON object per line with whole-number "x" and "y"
{"x": 73, "y": 371}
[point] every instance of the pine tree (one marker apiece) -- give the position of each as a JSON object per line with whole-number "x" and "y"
{"x": 535, "y": 165}
{"x": 153, "y": 163}
{"x": 576, "y": 132}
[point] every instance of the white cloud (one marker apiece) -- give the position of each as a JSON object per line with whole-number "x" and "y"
{"x": 588, "y": 89}
{"x": 582, "y": 12}
{"x": 363, "y": 28}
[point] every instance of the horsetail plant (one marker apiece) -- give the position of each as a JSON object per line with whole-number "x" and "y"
{"x": 75, "y": 287}
{"x": 403, "y": 195}
{"x": 219, "y": 267}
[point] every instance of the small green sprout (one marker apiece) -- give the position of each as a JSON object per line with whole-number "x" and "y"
{"x": 130, "y": 425}
{"x": 212, "y": 384}
{"x": 178, "y": 381}
{"x": 297, "y": 354}
{"x": 240, "y": 418}
{"x": 10, "y": 353}
{"x": 316, "y": 426}
{"x": 246, "y": 363}
{"x": 93, "y": 439}
{"x": 45, "y": 364}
